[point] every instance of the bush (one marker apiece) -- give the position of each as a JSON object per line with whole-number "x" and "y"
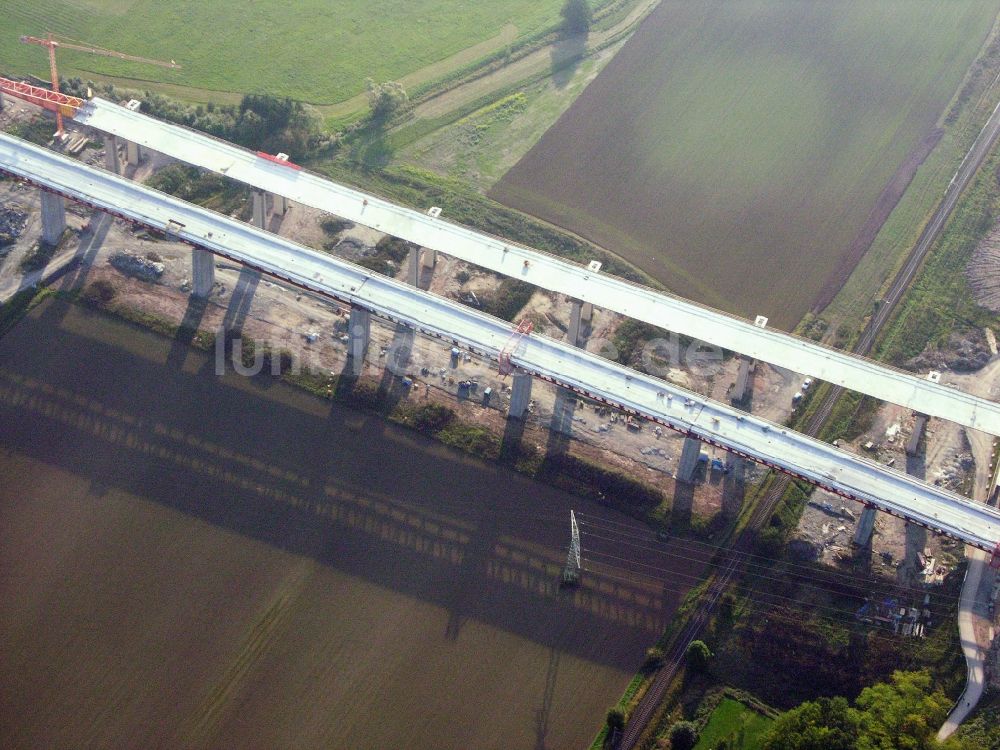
{"x": 698, "y": 656}
{"x": 509, "y": 298}
{"x": 430, "y": 418}
{"x": 683, "y": 735}
{"x": 616, "y": 718}
{"x": 392, "y": 248}
{"x": 333, "y": 225}
{"x": 154, "y": 256}
{"x": 378, "y": 265}
{"x": 98, "y": 292}
{"x": 462, "y": 277}
{"x": 653, "y": 660}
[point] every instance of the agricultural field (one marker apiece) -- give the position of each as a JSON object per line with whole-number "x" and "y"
{"x": 188, "y": 560}
{"x": 316, "y": 52}
{"x": 738, "y": 151}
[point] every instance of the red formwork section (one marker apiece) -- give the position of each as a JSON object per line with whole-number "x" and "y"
{"x": 278, "y": 160}
{"x": 524, "y": 328}
{"x": 50, "y": 100}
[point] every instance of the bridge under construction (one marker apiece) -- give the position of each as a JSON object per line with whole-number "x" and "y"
{"x": 558, "y": 362}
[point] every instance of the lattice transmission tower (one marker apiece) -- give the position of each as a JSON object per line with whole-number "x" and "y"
{"x": 571, "y": 571}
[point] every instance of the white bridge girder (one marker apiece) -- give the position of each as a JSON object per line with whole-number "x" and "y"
{"x": 554, "y": 361}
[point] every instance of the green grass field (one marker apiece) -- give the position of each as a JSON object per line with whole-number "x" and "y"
{"x": 733, "y": 721}
{"x": 735, "y": 150}
{"x": 319, "y": 52}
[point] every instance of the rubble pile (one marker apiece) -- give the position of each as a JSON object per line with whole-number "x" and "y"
{"x": 965, "y": 352}
{"x": 141, "y": 268}
{"x": 12, "y": 223}
{"x": 953, "y": 472}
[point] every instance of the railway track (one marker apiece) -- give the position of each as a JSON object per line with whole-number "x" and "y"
{"x": 732, "y": 565}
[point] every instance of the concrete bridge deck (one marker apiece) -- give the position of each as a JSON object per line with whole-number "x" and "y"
{"x": 547, "y": 271}
{"x": 558, "y": 362}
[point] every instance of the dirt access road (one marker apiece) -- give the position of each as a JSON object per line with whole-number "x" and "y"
{"x": 549, "y": 58}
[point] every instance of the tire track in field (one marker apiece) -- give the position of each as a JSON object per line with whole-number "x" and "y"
{"x": 202, "y": 725}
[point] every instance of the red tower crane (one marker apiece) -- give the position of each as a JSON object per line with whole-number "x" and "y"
{"x": 51, "y": 41}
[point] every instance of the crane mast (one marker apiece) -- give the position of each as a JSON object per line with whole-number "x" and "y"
{"x": 50, "y": 41}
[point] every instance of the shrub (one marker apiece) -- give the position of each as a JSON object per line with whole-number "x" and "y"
{"x": 698, "y": 656}
{"x": 509, "y": 298}
{"x": 392, "y": 248}
{"x": 462, "y": 277}
{"x": 154, "y": 256}
{"x": 333, "y": 225}
{"x": 98, "y": 292}
{"x": 683, "y": 735}
{"x": 616, "y": 718}
{"x": 654, "y": 659}
{"x": 431, "y": 418}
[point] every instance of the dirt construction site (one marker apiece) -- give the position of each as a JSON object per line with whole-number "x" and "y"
{"x": 154, "y": 275}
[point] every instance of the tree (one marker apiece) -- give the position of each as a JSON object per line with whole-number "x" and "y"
{"x": 654, "y": 658}
{"x": 683, "y": 736}
{"x": 576, "y": 16}
{"x": 903, "y": 714}
{"x": 385, "y": 99}
{"x": 824, "y": 724}
{"x": 616, "y": 718}
{"x": 698, "y": 655}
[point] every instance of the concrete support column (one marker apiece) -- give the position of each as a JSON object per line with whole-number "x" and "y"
{"x": 280, "y": 204}
{"x": 259, "y": 208}
{"x": 689, "y": 459}
{"x": 359, "y": 336}
{"x": 202, "y": 272}
{"x": 866, "y": 525}
{"x": 111, "y": 161}
{"x": 133, "y": 154}
{"x": 520, "y": 395}
{"x": 413, "y": 276}
{"x": 575, "y": 315}
{"x": 53, "y": 218}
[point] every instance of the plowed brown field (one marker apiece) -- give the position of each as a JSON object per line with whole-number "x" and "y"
{"x": 195, "y": 561}
{"x": 737, "y": 151}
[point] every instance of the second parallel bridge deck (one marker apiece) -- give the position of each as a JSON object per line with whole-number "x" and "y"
{"x": 547, "y": 271}
{"x": 558, "y": 362}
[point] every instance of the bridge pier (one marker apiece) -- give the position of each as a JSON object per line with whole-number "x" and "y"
{"x": 359, "y": 328}
{"x": 421, "y": 266}
{"x": 111, "y": 161}
{"x": 689, "y": 459}
{"x": 866, "y": 526}
{"x": 279, "y": 207}
{"x": 53, "y": 217}
{"x": 202, "y": 272}
{"x": 133, "y": 153}
{"x": 520, "y": 394}
{"x": 580, "y": 312}
{"x": 280, "y": 204}
{"x": 259, "y": 209}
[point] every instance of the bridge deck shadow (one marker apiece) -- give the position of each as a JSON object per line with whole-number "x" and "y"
{"x": 336, "y": 485}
